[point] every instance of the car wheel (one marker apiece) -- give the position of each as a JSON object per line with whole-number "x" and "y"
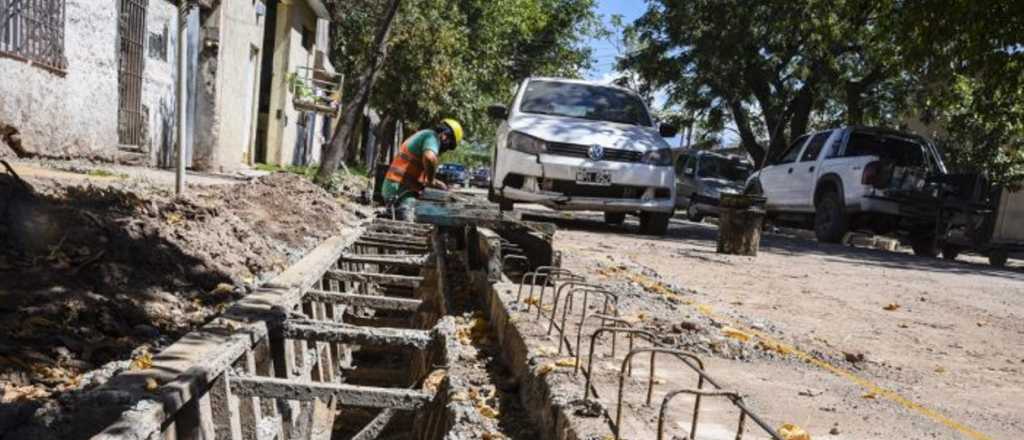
{"x": 830, "y": 222}
{"x": 654, "y": 223}
{"x": 950, "y": 252}
{"x": 925, "y": 247}
{"x": 693, "y": 214}
{"x": 998, "y": 258}
{"x": 614, "y": 218}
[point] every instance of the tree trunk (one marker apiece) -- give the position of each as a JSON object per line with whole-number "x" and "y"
{"x": 350, "y": 116}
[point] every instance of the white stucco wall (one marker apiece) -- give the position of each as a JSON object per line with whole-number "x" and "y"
{"x": 74, "y": 114}
{"x": 241, "y": 43}
{"x": 158, "y": 80}
{"x": 288, "y": 55}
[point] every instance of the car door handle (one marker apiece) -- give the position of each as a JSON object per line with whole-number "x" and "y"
{"x": 790, "y": 171}
{"x": 810, "y": 170}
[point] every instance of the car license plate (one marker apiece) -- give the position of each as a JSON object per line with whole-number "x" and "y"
{"x": 593, "y": 177}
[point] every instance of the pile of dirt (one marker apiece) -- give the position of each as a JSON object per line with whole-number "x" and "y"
{"x": 98, "y": 276}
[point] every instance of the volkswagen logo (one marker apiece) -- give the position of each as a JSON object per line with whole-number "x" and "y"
{"x": 596, "y": 152}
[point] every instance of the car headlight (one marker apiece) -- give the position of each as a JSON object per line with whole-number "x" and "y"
{"x": 729, "y": 190}
{"x": 662, "y": 157}
{"x": 525, "y": 143}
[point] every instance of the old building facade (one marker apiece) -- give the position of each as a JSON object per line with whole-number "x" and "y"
{"x": 98, "y": 78}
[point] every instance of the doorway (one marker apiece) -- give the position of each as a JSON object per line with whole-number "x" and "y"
{"x": 131, "y": 22}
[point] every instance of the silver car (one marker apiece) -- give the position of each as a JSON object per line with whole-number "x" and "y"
{"x": 703, "y": 176}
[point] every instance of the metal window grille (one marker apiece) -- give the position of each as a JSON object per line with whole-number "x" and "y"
{"x": 131, "y": 59}
{"x": 33, "y": 31}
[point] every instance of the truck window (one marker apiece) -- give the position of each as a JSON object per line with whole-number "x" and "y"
{"x": 902, "y": 152}
{"x": 814, "y": 148}
{"x": 792, "y": 151}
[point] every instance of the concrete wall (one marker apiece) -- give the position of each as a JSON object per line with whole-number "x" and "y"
{"x": 238, "y": 81}
{"x": 158, "y": 81}
{"x": 288, "y": 54}
{"x": 231, "y": 40}
{"x": 73, "y": 114}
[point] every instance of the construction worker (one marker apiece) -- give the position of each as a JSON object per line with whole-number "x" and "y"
{"x": 415, "y": 165}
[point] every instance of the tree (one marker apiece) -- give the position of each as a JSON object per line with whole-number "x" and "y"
{"x": 452, "y": 58}
{"x": 768, "y": 65}
{"x": 778, "y": 69}
{"x": 352, "y": 112}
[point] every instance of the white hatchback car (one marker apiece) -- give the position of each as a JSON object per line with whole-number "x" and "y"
{"x": 578, "y": 145}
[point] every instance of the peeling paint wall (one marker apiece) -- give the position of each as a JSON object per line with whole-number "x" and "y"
{"x": 73, "y": 115}
{"x": 289, "y": 54}
{"x": 158, "y": 80}
{"x": 242, "y": 24}
{"x": 231, "y": 40}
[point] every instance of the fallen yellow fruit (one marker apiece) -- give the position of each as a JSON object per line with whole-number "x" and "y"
{"x": 790, "y": 431}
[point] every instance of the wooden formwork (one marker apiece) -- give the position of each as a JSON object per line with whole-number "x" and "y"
{"x": 273, "y": 364}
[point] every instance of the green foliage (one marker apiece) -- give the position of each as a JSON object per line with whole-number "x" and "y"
{"x": 469, "y": 154}
{"x": 452, "y": 58}
{"x": 778, "y": 69}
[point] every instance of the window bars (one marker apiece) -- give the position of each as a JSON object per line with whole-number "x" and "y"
{"x": 33, "y": 31}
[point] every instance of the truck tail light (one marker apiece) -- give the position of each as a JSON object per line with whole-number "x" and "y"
{"x": 876, "y": 174}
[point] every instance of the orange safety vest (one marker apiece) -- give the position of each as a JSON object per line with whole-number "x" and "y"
{"x": 407, "y": 170}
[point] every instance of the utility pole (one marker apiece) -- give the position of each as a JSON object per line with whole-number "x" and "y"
{"x": 185, "y": 10}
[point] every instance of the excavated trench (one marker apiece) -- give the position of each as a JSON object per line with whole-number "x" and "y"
{"x": 462, "y": 366}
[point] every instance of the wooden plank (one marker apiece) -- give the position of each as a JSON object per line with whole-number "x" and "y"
{"x": 379, "y": 278}
{"x": 420, "y": 238}
{"x": 402, "y": 261}
{"x": 345, "y": 395}
{"x": 368, "y": 301}
{"x": 334, "y": 332}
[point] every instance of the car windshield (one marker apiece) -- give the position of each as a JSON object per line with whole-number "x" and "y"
{"x": 722, "y": 168}
{"x": 584, "y": 101}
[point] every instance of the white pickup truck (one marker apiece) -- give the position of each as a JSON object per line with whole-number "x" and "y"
{"x": 855, "y": 178}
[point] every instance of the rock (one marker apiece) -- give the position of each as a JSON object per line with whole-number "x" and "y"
{"x": 854, "y": 358}
{"x": 690, "y": 326}
{"x": 834, "y": 431}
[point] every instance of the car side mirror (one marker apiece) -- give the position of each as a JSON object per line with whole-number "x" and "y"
{"x": 497, "y": 111}
{"x": 667, "y": 130}
{"x": 688, "y": 171}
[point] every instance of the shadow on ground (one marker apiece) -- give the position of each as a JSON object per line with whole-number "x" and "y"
{"x": 85, "y": 283}
{"x": 706, "y": 235}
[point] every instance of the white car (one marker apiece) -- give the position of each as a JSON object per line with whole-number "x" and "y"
{"x": 578, "y": 145}
{"x": 856, "y": 178}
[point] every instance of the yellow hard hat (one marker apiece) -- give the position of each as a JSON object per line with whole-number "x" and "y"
{"x": 456, "y": 129}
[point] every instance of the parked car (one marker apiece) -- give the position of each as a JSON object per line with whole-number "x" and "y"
{"x": 577, "y": 145}
{"x": 481, "y": 178}
{"x": 856, "y": 178}
{"x": 453, "y": 174}
{"x": 703, "y": 176}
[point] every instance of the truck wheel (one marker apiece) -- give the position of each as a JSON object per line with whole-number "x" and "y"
{"x": 950, "y": 252}
{"x": 654, "y": 223}
{"x": 614, "y": 218}
{"x": 925, "y": 247}
{"x": 998, "y": 258}
{"x": 506, "y": 205}
{"x": 693, "y": 214}
{"x": 830, "y": 222}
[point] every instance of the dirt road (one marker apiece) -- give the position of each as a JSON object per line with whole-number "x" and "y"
{"x": 876, "y": 344}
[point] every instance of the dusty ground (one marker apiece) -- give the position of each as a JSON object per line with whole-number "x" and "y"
{"x": 102, "y": 268}
{"x": 874, "y": 344}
